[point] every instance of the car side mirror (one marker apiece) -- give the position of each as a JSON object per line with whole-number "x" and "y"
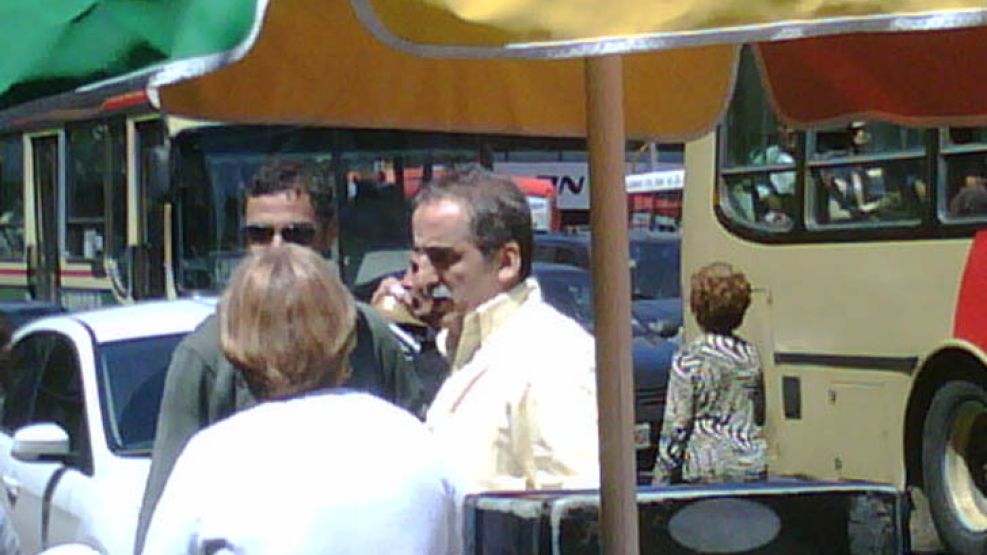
{"x": 665, "y": 328}
{"x": 44, "y": 441}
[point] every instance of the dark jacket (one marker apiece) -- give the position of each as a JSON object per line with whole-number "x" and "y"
{"x": 203, "y": 387}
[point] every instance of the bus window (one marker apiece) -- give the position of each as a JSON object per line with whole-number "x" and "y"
{"x": 214, "y": 165}
{"x": 866, "y": 174}
{"x": 96, "y": 167}
{"x": 11, "y": 198}
{"x": 375, "y": 218}
{"x": 963, "y": 174}
{"x": 758, "y": 156}
{"x": 372, "y": 173}
{"x": 862, "y": 174}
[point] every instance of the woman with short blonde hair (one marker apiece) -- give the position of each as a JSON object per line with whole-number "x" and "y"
{"x": 287, "y": 320}
{"x": 352, "y": 473}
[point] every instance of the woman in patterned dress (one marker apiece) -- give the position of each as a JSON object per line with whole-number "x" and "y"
{"x": 714, "y": 411}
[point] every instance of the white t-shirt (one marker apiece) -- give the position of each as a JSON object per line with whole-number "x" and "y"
{"x": 328, "y": 473}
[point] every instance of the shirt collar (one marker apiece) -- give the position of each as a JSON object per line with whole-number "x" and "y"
{"x": 479, "y": 324}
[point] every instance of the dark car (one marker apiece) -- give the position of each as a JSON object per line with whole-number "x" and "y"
{"x": 655, "y": 286}
{"x": 570, "y": 290}
{"x": 656, "y": 309}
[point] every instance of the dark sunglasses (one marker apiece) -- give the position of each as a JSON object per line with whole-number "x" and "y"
{"x": 298, "y": 233}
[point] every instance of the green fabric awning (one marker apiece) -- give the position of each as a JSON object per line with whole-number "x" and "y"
{"x": 51, "y": 46}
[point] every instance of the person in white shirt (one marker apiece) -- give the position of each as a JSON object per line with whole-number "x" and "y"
{"x": 314, "y": 468}
{"x": 518, "y": 410}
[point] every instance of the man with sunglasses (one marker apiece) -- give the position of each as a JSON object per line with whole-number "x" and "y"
{"x": 518, "y": 410}
{"x": 285, "y": 202}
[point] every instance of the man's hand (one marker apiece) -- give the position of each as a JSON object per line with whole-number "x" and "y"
{"x": 402, "y": 303}
{"x": 396, "y": 303}
{"x": 391, "y": 287}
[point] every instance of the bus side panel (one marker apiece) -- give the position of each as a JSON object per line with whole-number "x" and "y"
{"x": 971, "y": 302}
{"x": 13, "y": 281}
{"x": 846, "y": 323}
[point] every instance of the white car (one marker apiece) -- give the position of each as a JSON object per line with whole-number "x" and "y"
{"x": 80, "y": 405}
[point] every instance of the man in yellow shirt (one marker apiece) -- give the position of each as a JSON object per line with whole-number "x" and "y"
{"x": 518, "y": 410}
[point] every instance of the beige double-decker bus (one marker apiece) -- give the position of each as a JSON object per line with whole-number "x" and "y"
{"x": 866, "y": 245}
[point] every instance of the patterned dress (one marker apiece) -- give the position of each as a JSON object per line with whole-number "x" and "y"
{"x": 713, "y": 414}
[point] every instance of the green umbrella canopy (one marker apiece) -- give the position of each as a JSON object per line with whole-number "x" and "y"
{"x": 52, "y": 46}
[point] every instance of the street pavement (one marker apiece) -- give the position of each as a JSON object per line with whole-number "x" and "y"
{"x": 924, "y": 539}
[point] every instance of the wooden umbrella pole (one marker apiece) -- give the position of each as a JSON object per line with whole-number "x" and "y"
{"x": 612, "y": 305}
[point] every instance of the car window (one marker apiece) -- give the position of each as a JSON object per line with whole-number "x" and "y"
{"x": 570, "y": 293}
{"x": 564, "y": 255}
{"x": 655, "y": 273}
{"x": 60, "y": 399}
{"x": 21, "y": 375}
{"x": 131, "y": 375}
{"x": 544, "y": 253}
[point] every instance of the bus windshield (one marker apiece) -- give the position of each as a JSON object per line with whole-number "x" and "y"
{"x": 215, "y": 163}
{"x": 372, "y": 173}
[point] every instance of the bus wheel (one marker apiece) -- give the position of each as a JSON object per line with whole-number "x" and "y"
{"x": 954, "y": 462}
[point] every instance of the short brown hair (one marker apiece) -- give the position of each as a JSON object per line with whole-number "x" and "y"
{"x": 497, "y": 208}
{"x": 719, "y": 297}
{"x": 288, "y": 322}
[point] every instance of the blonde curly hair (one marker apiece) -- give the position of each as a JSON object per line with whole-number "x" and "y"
{"x": 719, "y": 297}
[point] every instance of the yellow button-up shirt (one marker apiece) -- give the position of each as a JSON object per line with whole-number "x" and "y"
{"x": 519, "y": 408}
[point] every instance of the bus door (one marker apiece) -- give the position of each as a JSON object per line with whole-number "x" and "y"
{"x": 92, "y": 214}
{"x": 43, "y": 253}
{"x": 150, "y": 179}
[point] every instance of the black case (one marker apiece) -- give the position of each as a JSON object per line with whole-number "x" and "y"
{"x": 785, "y": 517}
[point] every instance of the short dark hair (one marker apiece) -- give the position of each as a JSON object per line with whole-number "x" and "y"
{"x": 719, "y": 297}
{"x": 497, "y": 208}
{"x": 303, "y": 176}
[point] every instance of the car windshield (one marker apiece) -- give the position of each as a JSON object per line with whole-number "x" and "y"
{"x": 131, "y": 374}
{"x": 570, "y": 293}
{"x": 655, "y": 269}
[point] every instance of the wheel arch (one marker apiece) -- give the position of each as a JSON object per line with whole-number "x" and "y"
{"x": 958, "y": 360}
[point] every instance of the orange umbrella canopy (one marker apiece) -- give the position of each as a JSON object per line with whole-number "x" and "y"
{"x": 358, "y": 63}
{"x": 313, "y": 62}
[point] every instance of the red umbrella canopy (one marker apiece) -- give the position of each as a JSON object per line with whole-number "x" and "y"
{"x": 916, "y": 78}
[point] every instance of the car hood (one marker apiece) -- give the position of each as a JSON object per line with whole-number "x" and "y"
{"x": 652, "y": 362}
{"x": 652, "y": 359}
{"x": 653, "y": 310}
